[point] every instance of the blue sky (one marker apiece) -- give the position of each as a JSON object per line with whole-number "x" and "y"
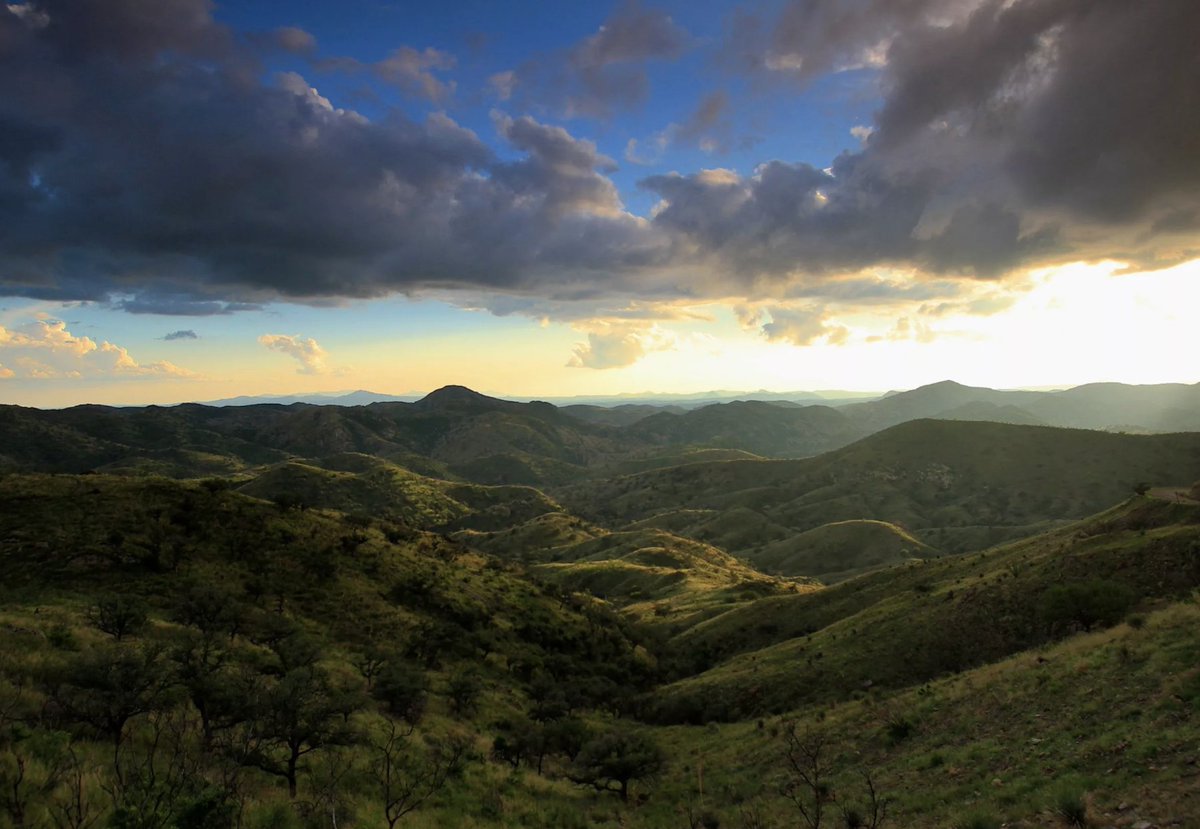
{"x": 202, "y": 200}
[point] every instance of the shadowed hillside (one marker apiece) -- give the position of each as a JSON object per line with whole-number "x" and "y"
{"x": 954, "y": 485}
{"x": 906, "y": 625}
{"x": 364, "y": 485}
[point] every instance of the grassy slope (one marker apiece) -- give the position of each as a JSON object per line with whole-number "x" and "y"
{"x": 650, "y": 573}
{"x": 753, "y": 426}
{"x": 660, "y": 576}
{"x": 909, "y": 624}
{"x": 1114, "y": 715}
{"x": 1001, "y": 741}
{"x": 356, "y": 483}
{"x": 833, "y": 551}
{"x": 954, "y": 485}
{"x": 65, "y": 538}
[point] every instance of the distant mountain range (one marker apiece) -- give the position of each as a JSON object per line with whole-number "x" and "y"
{"x": 688, "y": 400}
{"x": 458, "y": 433}
{"x": 359, "y": 397}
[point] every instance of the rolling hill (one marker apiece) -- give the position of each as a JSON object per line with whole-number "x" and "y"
{"x": 906, "y": 625}
{"x": 953, "y": 485}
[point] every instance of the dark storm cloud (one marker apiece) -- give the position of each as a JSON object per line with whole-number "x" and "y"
{"x": 1011, "y": 134}
{"x": 295, "y": 40}
{"x": 146, "y": 160}
{"x": 605, "y": 71}
{"x": 809, "y": 38}
{"x": 181, "y": 180}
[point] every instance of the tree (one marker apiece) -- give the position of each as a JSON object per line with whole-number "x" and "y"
{"x": 219, "y": 690}
{"x": 805, "y": 785}
{"x": 210, "y": 610}
{"x": 107, "y": 687}
{"x": 408, "y": 774}
{"x": 298, "y": 714}
{"x": 32, "y": 763}
{"x": 402, "y": 688}
{"x": 615, "y": 759}
{"x": 156, "y": 778}
{"x": 464, "y": 688}
{"x": 119, "y": 615}
{"x": 872, "y": 813}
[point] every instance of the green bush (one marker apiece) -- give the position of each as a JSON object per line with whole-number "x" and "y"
{"x": 1071, "y": 805}
{"x": 1086, "y": 604}
{"x": 979, "y": 820}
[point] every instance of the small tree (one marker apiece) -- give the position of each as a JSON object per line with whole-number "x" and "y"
{"x": 408, "y": 774}
{"x": 300, "y": 713}
{"x": 220, "y": 690}
{"x": 615, "y": 759}
{"x": 464, "y": 688}
{"x": 403, "y": 688}
{"x": 119, "y": 615}
{"x": 873, "y": 810}
{"x": 107, "y": 687}
{"x": 805, "y": 785}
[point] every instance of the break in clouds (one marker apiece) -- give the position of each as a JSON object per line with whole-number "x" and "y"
{"x": 148, "y": 160}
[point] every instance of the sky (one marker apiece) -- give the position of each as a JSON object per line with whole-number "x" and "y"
{"x": 200, "y": 200}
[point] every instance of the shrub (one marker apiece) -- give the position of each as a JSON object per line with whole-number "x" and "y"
{"x": 1071, "y": 805}
{"x": 899, "y": 729}
{"x": 61, "y": 637}
{"x": 979, "y": 820}
{"x": 1086, "y": 604}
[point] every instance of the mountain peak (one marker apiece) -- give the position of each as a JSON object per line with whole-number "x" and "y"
{"x": 454, "y": 395}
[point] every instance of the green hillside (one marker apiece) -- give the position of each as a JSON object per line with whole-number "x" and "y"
{"x": 906, "y": 625}
{"x": 832, "y": 551}
{"x": 753, "y": 426}
{"x": 914, "y": 673}
{"x": 364, "y": 485}
{"x": 1104, "y": 724}
{"x": 953, "y": 485}
{"x": 653, "y": 575}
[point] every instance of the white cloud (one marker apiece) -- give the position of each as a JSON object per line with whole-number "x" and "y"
{"x": 616, "y": 345}
{"x": 803, "y": 326}
{"x": 307, "y": 352}
{"x": 862, "y": 132}
{"x": 45, "y": 349}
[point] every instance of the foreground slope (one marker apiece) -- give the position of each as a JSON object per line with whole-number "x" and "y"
{"x": 909, "y": 624}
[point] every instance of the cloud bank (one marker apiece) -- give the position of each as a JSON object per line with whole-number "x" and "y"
{"x": 146, "y": 159}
